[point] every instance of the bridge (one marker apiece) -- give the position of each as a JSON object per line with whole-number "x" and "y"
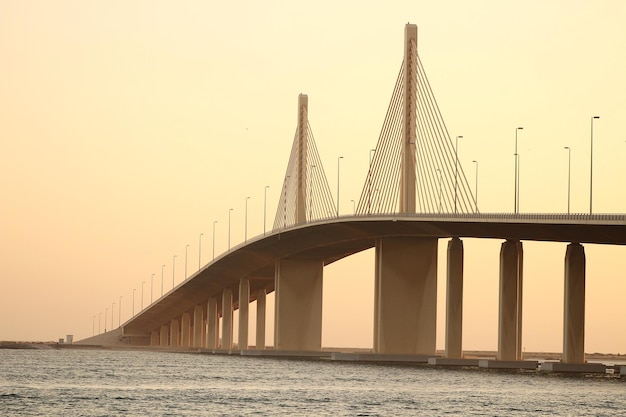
{"x": 414, "y": 193}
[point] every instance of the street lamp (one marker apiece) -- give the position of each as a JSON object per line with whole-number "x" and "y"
{"x": 173, "y": 269}
{"x": 134, "y": 289}
{"x": 106, "y": 313}
{"x": 162, "y": 269}
{"x": 311, "y": 193}
{"x": 476, "y": 187}
{"x": 142, "y": 282}
{"x": 569, "y": 175}
{"x": 516, "y": 155}
{"x": 338, "y": 160}
{"x": 151, "y": 287}
{"x": 369, "y": 183}
{"x": 112, "y": 307}
{"x": 119, "y": 313}
{"x": 591, "y": 169}
{"x": 456, "y": 169}
{"x": 245, "y": 235}
{"x": 186, "y": 249}
{"x": 200, "y": 250}
{"x": 265, "y": 207}
{"x": 439, "y": 178}
{"x": 229, "y": 211}
{"x": 214, "y": 222}
{"x": 99, "y": 320}
{"x": 93, "y": 326}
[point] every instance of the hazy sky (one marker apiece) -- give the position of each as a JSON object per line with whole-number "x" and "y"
{"x": 128, "y": 127}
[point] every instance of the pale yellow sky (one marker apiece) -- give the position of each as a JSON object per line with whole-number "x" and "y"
{"x": 128, "y": 127}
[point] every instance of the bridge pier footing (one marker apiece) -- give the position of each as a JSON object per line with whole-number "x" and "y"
{"x": 164, "y": 336}
{"x": 454, "y": 300}
{"x": 574, "y": 305}
{"x": 175, "y": 333}
{"x": 510, "y": 303}
{"x": 155, "y": 338}
{"x": 405, "y": 296}
{"x": 298, "y": 312}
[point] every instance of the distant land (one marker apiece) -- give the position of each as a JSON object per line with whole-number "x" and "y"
{"x": 468, "y": 354}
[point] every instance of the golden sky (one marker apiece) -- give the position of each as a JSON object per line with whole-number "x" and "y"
{"x": 128, "y": 127}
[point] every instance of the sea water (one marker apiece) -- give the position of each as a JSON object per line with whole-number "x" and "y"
{"x": 72, "y": 382}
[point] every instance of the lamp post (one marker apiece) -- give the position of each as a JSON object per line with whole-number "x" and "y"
{"x": 476, "y": 187}
{"x": 439, "y": 193}
{"x": 99, "y": 321}
{"x": 112, "y": 308}
{"x": 338, "y": 160}
{"x": 186, "y": 249}
{"x": 119, "y": 313}
{"x": 265, "y": 207}
{"x": 569, "y": 173}
{"x": 369, "y": 183}
{"x": 516, "y": 155}
{"x": 106, "y": 313}
{"x": 134, "y": 289}
{"x": 142, "y": 282}
{"x": 456, "y": 170}
{"x": 151, "y": 287}
{"x": 229, "y": 211}
{"x": 591, "y": 169}
{"x": 173, "y": 269}
{"x": 214, "y": 222}
{"x": 311, "y": 193}
{"x": 162, "y": 269}
{"x": 93, "y": 326}
{"x": 245, "y": 235}
{"x": 200, "y": 250}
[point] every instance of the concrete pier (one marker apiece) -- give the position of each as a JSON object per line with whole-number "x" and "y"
{"x": 244, "y": 299}
{"x": 164, "y": 336}
{"x": 574, "y": 305}
{"x": 405, "y": 296}
{"x": 197, "y": 327}
{"x": 260, "y": 319}
{"x": 298, "y": 312}
{"x": 227, "y": 319}
{"x": 155, "y": 338}
{"x": 454, "y": 300}
{"x": 175, "y": 333}
{"x": 185, "y": 330}
{"x": 212, "y": 339}
{"x": 510, "y": 309}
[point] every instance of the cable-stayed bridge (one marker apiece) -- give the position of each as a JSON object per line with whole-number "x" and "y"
{"x": 414, "y": 193}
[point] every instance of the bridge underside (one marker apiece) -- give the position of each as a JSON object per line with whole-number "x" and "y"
{"x": 328, "y": 242}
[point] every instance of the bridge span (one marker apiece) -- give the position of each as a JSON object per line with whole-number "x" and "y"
{"x": 414, "y": 194}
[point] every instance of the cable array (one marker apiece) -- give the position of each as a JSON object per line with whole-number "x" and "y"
{"x": 441, "y": 185}
{"x": 319, "y": 203}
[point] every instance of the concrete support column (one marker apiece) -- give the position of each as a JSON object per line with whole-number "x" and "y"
{"x": 510, "y": 304}
{"x": 298, "y": 312}
{"x": 212, "y": 318}
{"x": 175, "y": 333}
{"x": 164, "y": 336}
{"x": 155, "y": 338}
{"x": 244, "y": 300}
{"x": 454, "y": 300}
{"x": 185, "y": 336}
{"x": 197, "y": 327}
{"x": 574, "y": 305}
{"x": 260, "y": 319}
{"x": 227, "y": 319}
{"x": 406, "y": 296}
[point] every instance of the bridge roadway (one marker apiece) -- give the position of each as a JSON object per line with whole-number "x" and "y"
{"x": 335, "y": 238}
